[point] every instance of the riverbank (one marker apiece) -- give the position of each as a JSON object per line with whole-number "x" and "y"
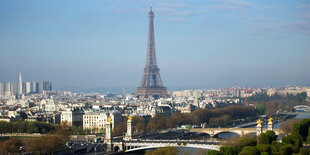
{"x": 251, "y": 121}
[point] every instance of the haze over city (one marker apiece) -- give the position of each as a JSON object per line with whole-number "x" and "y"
{"x": 149, "y": 77}
{"x": 199, "y": 44}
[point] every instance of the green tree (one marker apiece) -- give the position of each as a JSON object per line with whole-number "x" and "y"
{"x": 78, "y": 130}
{"x": 25, "y": 127}
{"x": 304, "y": 151}
{"x": 213, "y": 152}
{"x": 4, "y": 127}
{"x": 302, "y": 128}
{"x": 228, "y": 150}
{"x": 245, "y": 141}
{"x": 261, "y": 109}
{"x": 308, "y": 139}
{"x": 294, "y": 142}
{"x": 267, "y": 137}
{"x": 270, "y": 149}
{"x": 286, "y": 149}
{"x": 249, "y": 150}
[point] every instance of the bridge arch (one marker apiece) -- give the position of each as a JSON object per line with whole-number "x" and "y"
{"x": 217, "y": 133}
{"x": 214, "y": 133}
{"x": 116, "y": 149}
{"x": 301, "y": 106}
{"x": 227, "y": 131}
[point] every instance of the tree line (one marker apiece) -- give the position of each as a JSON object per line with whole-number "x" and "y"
{"x": 197, "y": 117}
{"x": 26, "y": 127}
{"x": 34, "y": 127}
{"x": 270, "y": 105}
{"x": 46, "y": 144}
{"x": 141, "y": 125}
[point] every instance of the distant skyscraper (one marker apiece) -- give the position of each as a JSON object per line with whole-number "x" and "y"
{"x": 47, "y": 86}
{"x": 27, "y": 89}
{"x": 7, "y": 87}
{"x": 14, "y": 87}
{"x": 1, "y": 89}
{"x": 20, "y": 87}
{"x": 39, "y": 87}
{"x": 33, "y": 87}
{"x": 151, "y": 84}
{"x": 20, "y": 84}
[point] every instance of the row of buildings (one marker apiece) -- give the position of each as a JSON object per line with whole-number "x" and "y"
{"x": 288, "y": 91}
{"x": 92, "y": 121}
{"x": 91, "y": 110}
{"x": 9, "y": 89}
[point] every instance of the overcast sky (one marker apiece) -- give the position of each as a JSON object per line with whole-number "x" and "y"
{"x": 199, "y": 43}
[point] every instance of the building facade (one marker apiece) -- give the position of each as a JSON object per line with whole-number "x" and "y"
{"x": 74, "y": 117}
{"x": 94, "y": 122}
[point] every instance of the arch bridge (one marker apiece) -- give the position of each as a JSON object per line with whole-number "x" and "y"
{"x": 239, "y": 131}
{"x": 144, "y": 144}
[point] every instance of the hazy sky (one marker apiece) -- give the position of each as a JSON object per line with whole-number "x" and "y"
{"x": 199, "y": 43}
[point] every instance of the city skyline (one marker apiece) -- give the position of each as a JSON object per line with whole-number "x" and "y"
{"x": 200, "y": 44}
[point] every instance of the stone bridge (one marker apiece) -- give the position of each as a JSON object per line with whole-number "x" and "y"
{"x": 128, "y": 144}
{"x": 213, "y": 132}
{"x": 143, "y": 144}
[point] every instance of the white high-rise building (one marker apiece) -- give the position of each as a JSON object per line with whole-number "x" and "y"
{"x": 34, "y": 87}
{"x": 14, "y": 87}
{"x": 1, "y": 89}
{"x": 20, "y": 84}
{"x": 40, "y": 87}
{"x": 7, "y": 87}
{"x": 27, "y": 87}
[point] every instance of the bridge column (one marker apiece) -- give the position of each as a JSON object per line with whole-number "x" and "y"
{"x": 242, "y": 134}
{"x": 212, "y": 134}
{"x": 259, "y": 127}
{"x": 108, "y": 134}
{"x": 270, "y": 125}
{"x": 129, "y": 132}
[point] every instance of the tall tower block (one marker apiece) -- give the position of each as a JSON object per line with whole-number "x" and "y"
{"x": 20, "y": 84}
{"x": 151, "y": 84}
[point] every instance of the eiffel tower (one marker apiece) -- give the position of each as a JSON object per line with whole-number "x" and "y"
{"x": 151, "y": 84}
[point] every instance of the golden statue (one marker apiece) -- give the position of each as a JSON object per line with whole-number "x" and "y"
{"x": 109, "y": 119}
{"x": 129, "y": 118}
{"x": 259, "y": 122}
{"x": 270, "y": 120}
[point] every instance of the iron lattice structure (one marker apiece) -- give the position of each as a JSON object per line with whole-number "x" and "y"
{"x": 151, "y": 84}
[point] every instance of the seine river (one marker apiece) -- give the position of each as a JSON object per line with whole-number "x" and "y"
{"x": 224, "y": 135}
